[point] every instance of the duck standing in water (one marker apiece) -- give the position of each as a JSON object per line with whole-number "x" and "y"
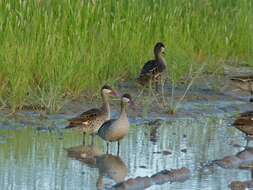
{"x": 153, "y": 69}
{"x": 245, "y": 83}
{"x": 244, "y": 123}
{"x": 91, "y": 120}
{"x": 116, "y": 129}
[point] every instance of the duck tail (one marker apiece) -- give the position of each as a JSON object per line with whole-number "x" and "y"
{"x": 70, "y": 126}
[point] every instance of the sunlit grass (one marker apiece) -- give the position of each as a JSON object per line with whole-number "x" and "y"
{"x": 50, "y": 49}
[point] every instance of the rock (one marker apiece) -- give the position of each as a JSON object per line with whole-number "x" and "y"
{"x": 237, "y": 185}
{"x": 157, "y": 152}
{"x": 138, "y": 183}
{"x": 184, "y": 150}
{"x": 241, "y": 158}
{"x": 159, "y": 178}
{"x": 228, "y": 162}
{"x": 246, "y": 156}
{"x": 166, "y": 152}
{"x": 241, "y": 185}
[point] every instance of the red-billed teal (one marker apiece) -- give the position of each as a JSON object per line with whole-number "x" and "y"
{"x": 116, "y": 129}
{"x": 90, "y": 121}
{"x": 153, "y": 69}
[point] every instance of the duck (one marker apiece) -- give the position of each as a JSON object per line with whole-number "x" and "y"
{"x": 153, "y": 69}
{"x": 244, "y": 83}
{"x": 116, "y": 129}
{"x": 244, "y": 123}
{"x": 91, "y": 120}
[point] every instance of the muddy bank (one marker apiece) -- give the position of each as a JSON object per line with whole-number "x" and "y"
{"x": 208, "y": 96}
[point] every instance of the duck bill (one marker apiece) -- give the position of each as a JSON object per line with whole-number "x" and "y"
{"x": 114, "y": 93}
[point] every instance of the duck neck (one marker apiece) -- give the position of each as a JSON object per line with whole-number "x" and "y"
{"x": 159, "y": 57}
{"x": 123, "y": 112}
{"x": 105, "y": 105}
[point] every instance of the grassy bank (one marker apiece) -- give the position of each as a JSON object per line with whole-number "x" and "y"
{"x": 50, "y": 49}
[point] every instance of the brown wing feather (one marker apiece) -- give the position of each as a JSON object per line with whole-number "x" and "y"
{"x": 242, "y": 78}
{"x": 150, "y": 71}
{"x": 245, "y": 118}
{"x": 243, "y": 121}
{"x": 84, "y": 118}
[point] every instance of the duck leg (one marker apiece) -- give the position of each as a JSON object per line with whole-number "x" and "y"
{"x": 162, "y": 86}
{"x": 156, "y": 87}
{"x": 247, "y": 142}
{"x": 251, "y": 95}
{"x": 118, "y": 148}
{"x": 251, "y": 91}
{"x": 150, "y": 89}
{"x": 107, "y": 147}
{"x": 83, "y": 138}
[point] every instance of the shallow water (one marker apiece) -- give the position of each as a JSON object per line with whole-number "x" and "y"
{"x": 32, "y": 159}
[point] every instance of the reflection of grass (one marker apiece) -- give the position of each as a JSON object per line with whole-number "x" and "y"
{"x": 50, "y": 49}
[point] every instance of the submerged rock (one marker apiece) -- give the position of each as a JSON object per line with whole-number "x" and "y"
{"x": 140, "y": 183}
{"x": 237, "y": 185}
{"x": 166, "y": 152}
{"x": 229, "y": 162}
{"x": 184, "y": 150}
{"x": 243, "y": 157}
{"x": 241, "y": 185}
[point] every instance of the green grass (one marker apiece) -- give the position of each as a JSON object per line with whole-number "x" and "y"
{"x": 50, "y": 49}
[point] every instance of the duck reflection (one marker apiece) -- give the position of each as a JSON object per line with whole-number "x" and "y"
{"x": 85, "y": 154}
{"x": 154, "y": 134}
{"x": 112, "y": 167}
{"x": 108, "y": 165}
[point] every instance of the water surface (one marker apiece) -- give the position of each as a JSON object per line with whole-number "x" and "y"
{"x": 38, "y": 160}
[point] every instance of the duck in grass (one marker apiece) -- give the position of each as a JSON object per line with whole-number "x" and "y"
{"x": 90, "y": 121}
{"x": 153, "y": 69}
{"x": 116, "y": 129}
{"x": 244, "y": 83}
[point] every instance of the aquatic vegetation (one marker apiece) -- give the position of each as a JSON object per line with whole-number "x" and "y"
{"x": 53, "y": 49}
